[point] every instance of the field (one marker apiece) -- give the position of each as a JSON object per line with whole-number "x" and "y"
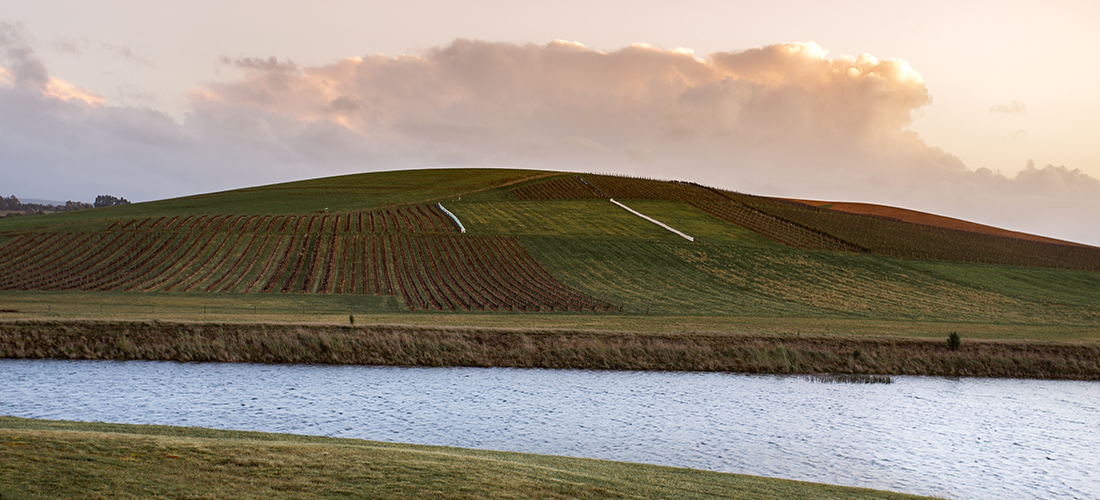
{"x": 927, "y": 219}
{"x": 541, "y": 249}
{"x": 49, "y": 459}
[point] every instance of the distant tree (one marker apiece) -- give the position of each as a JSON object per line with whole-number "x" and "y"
{"x": 10, "y": 203}
{"x": 106, "y": 200}
{"x": 74, "y": 205}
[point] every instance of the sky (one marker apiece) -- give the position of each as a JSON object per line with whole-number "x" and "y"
{"x": 985, "y": 111}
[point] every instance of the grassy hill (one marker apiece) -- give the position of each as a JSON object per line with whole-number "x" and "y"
{"x": 51, "y": 459}
{"x": 545, "y": 242}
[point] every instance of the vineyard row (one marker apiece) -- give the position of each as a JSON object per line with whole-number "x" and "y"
{"x": 427, "y": 219}
{"x": 430, "y": 272}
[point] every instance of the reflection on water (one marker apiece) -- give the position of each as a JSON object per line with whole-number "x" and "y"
{"x": 969, "y": 438}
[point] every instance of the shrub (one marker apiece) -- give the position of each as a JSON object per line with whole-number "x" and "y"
{"x": 954, "y": 342}
{"x": 351, "y": 318}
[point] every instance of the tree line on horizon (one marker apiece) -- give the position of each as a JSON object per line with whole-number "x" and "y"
{"x": 16, "y": 207}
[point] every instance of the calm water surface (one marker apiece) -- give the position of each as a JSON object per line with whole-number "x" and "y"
{"x": 968, "y": 438}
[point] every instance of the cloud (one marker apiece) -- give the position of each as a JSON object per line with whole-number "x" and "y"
{"x": 59, "y": 139}
{"x": 22, "y": 66}
{"x": 70, "y": 46}
{"x": 1010, "y": 108}
{"x": 1053, "y": 181}
{"x": 260, "y": 65}
{"x": 475, "y": 101}
{"x": 66, "y": 91}
{"x": 22, "y": 71}
{"x": 129, "y": 54}
{"x": 785, "y": 120}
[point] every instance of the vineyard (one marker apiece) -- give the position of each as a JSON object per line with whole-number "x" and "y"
{"x": 414, "y": 252}
{"x": 728, "y": 280}
{"x": 810, "y": 227}
{"x": 897, "y": 238}
{"x": 541, "y": 241}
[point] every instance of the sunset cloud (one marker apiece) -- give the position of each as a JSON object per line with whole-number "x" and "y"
{"x": 66, "y": 91}
{"x": 474, "y": 102}
{"x": 785, "y": 120}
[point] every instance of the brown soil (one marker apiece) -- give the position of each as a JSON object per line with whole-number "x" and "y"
{"x": 929, "y": 219}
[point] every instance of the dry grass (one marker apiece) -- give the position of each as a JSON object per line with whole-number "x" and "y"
{"x": 605, "y": 350}
{"x": 45, "y": 459}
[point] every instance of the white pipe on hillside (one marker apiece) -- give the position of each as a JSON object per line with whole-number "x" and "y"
{"x": 461, "y": 228}
{"x": 651, "y": 219}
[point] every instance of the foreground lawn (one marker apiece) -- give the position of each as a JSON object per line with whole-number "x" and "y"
{"x": 50, "y": 459}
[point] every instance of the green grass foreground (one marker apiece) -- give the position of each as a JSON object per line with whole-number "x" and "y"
{"x": 404, "y": 345}
{"x": 52, "y": 459}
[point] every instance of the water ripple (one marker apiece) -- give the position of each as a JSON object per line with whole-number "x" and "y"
{"x": 955, "y": 438}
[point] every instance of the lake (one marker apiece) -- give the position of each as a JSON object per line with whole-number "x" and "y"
{"x": 955, "y": 438}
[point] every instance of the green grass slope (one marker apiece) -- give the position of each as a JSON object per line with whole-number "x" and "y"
{"x": 337, "y": 194}
{"x": 51, "y": 459}
{"x": 541, "y": 242}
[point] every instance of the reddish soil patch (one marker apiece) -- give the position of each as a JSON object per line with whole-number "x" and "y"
{"x": 929, "y": 219}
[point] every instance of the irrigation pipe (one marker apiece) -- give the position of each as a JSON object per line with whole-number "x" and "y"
{"x": 655, "y": 221}
{"x": 461, "y": 228}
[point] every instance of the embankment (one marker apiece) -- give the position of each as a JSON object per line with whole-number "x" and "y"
{"x": 53, "y": 459}
{"x": 434, "y": 346}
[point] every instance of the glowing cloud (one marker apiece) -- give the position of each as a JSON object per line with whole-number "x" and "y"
{"x": 55, "y": 89}
{"x": 504, "y": 94}
{"x": 65, "y": 91}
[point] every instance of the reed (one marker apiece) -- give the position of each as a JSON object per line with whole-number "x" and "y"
{"x": 849, "y": 378}
{"x": 401, "y": 345}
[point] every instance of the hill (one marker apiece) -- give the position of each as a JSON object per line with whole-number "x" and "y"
{"x": 493, "y": 240}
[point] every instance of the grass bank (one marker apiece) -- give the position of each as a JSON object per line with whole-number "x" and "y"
{"x": 335, "y": 309}
{"x": 51, "y": 459}
{"x": 544, "y": 348}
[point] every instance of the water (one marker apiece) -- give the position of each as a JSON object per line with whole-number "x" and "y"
{"x": 967, "y": 438}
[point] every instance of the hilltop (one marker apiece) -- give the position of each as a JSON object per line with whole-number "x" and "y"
{"x": 489, "y": 241}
